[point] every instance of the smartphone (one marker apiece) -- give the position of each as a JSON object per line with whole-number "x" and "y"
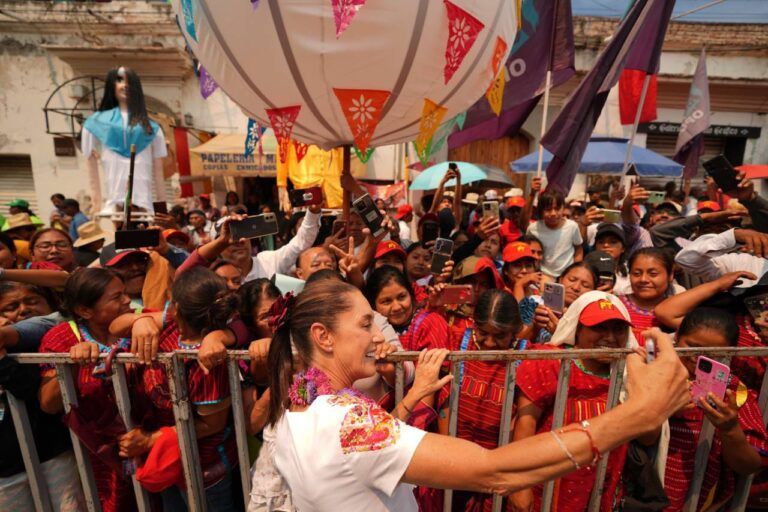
{"x": 711, "y": 377}
{"x": 429, "y": 232}
{"x": 254, "y": 226}
{"x": 442, "y": 253}
{"x": 137, "y": 238}
{"x": 372, "y": 217}
{"x": 650, "y": 350}
{"x": 606, "y": 280}
{"x": 160, "y": 207}
{"x": 339, "y": 227}
{"x": 656, "y": 197}
{"x": 491, "y": 209}
{"x": 612, "y": 216}
{"x": 722, "y": 172}
{"x": 457, "y": 294}
{"x": 306, "y": 196}
{"x": 758, "y": 307}
{"x": 554, "y": 296}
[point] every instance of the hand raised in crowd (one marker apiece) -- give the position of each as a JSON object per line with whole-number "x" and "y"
{"x": 731, "y": 279}
{"x": 545, "y": 318}
{"x": 335, "y": 239}
{"x": 725, "y": 415}
{"x": 433, "y": 296}
{"x": 85, "y": 352}
{"x": 723, "y": 216}
{"x": 384, "y": 368}
{"x": 593, "y": 215}
{"x": 617, "y": 193}
{"x": 487, "y": 227}
{"x": 427, "y": 380}
{"x": 225, "y": 233}
{"x": 348, "y": 262}
{"x": 637, "y": 194}
{"x": 446, "y": 275}
{"x": 136, "y": 442}
{"x": 166, "y": 221}
{"x": 527, "y": 280}
{"x": 754, "y": 242}
{"x": 535, "y": 186}
{"x": 145, "y": 338}
{"x": 745, "y": 191}
{"x": 449, "y": 174}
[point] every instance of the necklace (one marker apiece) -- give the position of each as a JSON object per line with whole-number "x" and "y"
{"x": 312, "y": 383}
{"x": 580, "y": 366}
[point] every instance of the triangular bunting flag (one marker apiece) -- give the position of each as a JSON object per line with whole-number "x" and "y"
{"x": 460, "y": 118}
{"x": 301, "y": 150}
{"x": 362, "y": 109}
{"x": 254, "y": 133}
{"x": 207, "y": 84}
{"x": 463, "y": 29}
{"x": 363, "y": 156}
{"x": 431, "y": 117}
{"x": 189, "y": 18}
{"x": 495, "y": 93}
{"x": 343, "y": 12}
{"x": 499, "y": 52}
{"x": 282, "y": 120}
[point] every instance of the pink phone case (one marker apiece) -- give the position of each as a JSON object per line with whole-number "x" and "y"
{"x": 714, "y": 381}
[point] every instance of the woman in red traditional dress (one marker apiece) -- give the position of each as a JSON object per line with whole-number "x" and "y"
{"x": 595, "y": 320}
{"x": 740, "y": 437}
{"x": 482, "y": 384}
{"x": 651, "y": 276}
{"x": 94, "y": 297}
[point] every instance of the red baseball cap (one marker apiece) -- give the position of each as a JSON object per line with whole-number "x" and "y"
{"x": 387, "y": 247}
{"x": 600, "y": 311}
{"x": 403, "y": 210}
{"x": 168, "y": 233}
{"x": 708, "y": 205}
{"x": 516, "y": 251}
{"x": 516, "y": 202}
{"x": 205, "y": 196}
{"x": 162, "y": 468}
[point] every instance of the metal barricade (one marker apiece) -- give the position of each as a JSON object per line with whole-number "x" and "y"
{"x": 182, "y": 409}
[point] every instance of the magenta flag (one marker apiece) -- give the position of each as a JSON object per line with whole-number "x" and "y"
{"x": 690, "y": 140}
{"x": 569, "y": 134}
{"x": 207, "y": 84}
{"x": 545, "y": 41}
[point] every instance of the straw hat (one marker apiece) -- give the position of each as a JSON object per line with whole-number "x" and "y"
{"x": 19, "y": 220}
{"x": 89, "y": 232}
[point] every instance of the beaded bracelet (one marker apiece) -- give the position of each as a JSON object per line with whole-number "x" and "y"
{"x": 565, "y": 450}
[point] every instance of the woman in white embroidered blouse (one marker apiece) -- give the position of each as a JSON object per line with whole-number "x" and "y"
{"x": 337, "y": 450}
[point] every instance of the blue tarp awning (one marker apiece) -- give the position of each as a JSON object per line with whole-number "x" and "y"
{"x": 605, "y": 155}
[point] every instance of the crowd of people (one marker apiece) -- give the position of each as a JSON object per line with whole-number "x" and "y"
{"x": 320, "y": 305}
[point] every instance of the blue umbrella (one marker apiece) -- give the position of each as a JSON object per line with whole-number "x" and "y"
{"x": 430, "y": 178}
{"x": 606, "y": 156}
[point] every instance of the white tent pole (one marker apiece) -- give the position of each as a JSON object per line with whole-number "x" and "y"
{"x": 544, "y": 122}
{"x": 637, "y": 122}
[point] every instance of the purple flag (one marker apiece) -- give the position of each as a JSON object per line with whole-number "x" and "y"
{"x": 647, "y": 47}
{"x": 569, "y": 134}
{"x": 207, "y": 84}
{"x": 544, "y": 42}
{"x": 690, "y": 140}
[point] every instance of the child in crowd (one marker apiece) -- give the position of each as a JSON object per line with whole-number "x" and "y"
{"x": 560, "y": 237}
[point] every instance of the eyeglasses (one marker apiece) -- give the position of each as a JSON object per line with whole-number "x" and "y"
{"x": 47, "y": 246}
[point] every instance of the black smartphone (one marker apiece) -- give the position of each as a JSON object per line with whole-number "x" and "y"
{"x": 442, "y": 253}
{"x": 372, "y": 217}
{"x": 306, "y": 196}
{"x": 429, "y": 232}
{"x": 160, "y": 207}
{"x": 254, "y": 227}
{"x": 339, "y": 227}
{"x": 722, "y": 172}
{"x": 137, "y": 238}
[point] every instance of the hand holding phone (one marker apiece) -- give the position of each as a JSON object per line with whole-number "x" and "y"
{"x": 306, "y": 196}
{"x": 612, "y": 216}
{"x": 721, "y": 170}
{"x": 442, "y": 253}
{"x": 254, "y": 226}
{"x": 491, "y": 209}
{"x": 711, "y": 377}
{"x": 554, "y": 296}
{"x": 656, "y": 197}
{"x": 369, "y": 212}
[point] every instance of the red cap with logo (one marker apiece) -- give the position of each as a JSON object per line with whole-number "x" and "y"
{"x": 708, "y": 205}
{"x": 403, "y": 210}
{"x": 388, "y": 247}
{"x": 600, "y": 311}
{"x": 516, "y": 202}
{"x": 516, "y": 251}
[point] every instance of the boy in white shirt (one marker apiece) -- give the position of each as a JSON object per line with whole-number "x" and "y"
{"x": 560, "y": 237}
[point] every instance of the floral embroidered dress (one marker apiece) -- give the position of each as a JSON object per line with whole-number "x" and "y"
{"x": 718, "y": 485}
{"x": 587, "y": 398}
{"x": 344, "y": 452}
{"x": 114, "y": 488}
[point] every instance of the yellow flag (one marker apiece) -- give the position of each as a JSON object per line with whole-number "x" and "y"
{"x": 495, "y": 93}
{"x": 431, "y": 116}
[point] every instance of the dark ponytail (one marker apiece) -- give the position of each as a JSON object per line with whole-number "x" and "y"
{"x": 498, "y": 309}
{"x": 203, "y": 301}
{"x": 311, "y": 306}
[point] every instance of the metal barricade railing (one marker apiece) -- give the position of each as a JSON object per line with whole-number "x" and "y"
{"x": 185, "y": 425}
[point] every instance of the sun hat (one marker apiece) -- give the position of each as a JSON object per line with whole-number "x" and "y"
{"x": 19, "y": 220}
{"x": 89, "y": 232}
{"x": 471, "y": 198}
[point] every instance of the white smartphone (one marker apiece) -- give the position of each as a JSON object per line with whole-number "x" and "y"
{"x": 554, "y": 296}
{"x": 611, "y": 216}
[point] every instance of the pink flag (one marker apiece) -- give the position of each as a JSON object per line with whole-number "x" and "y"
{"x": 207, "y": 84}
{"x": 343, "y": 12}
{"x": 463, "y": 29}
{"x": 282, "y": 120}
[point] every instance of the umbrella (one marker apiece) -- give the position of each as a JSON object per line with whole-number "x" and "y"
{"x": 430, "y": 178}
{"x": 606, "y": 156}
{"x": 496, "y": 177}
